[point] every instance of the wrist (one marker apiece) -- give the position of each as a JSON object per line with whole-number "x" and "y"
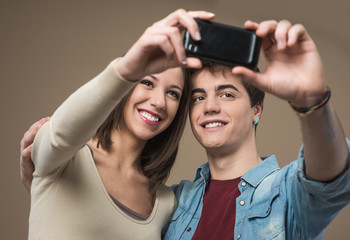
{"x": 125, "y": 72}
{"x": 312, "y": 104}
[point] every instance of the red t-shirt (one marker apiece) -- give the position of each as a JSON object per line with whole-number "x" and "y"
{"x": 219, "y": 210}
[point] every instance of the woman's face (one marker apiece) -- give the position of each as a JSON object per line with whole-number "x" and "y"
{"x": 153, "y": 104}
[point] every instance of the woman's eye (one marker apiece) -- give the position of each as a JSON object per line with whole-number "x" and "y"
{"x": 174, "y": 94}
{"x": 147, "y": 83}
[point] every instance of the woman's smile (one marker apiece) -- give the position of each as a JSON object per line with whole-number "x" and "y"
{"x": 149, "y": 117}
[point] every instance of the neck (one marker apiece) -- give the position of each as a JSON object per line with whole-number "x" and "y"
{"x": 232, "y": 164}
{"x": 125, "y": 152}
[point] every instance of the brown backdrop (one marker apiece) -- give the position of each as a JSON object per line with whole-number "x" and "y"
{"x": 49, "y": 48}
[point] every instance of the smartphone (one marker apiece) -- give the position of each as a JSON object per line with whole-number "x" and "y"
{"x": 224, "y": 44}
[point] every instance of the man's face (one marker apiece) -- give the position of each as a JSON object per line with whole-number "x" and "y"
{"x": 220, "y": 112}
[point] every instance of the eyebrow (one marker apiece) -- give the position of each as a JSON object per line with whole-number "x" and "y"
{"x": 175, "y": 86}
{"x": 218, "y": 88}
{"x": 225, "y": 86}
{"x": 171, "y": 86}
{"x": 197, "y": 90}
{"x": 154, "y": 77}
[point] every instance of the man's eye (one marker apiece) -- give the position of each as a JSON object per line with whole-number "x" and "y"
{"x": 227, "y": 95}
{"x": 197, "y": 99}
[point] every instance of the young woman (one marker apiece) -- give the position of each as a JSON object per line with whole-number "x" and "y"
{"x": 102, "y": 159}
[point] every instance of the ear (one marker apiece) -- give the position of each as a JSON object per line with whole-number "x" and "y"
{"x": 258, "y": 110}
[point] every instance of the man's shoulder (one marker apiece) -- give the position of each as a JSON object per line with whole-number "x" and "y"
{"x": 188, "y": 192}
{"x": 187, "y": 186}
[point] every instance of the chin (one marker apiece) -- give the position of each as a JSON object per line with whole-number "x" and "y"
{"x": 212, "y": 144}
{"x": 145, "y": 135}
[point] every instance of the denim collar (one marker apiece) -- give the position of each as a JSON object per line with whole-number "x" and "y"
{"x": 203, "y": 172}
{"x": 254, "y": 176}
{"x": 258, "y": 173}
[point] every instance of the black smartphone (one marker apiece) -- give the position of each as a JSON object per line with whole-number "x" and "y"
{"x": 224, "y": 44}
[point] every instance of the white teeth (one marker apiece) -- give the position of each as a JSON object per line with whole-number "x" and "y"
{"x": 149, "y": 116}
{"x": 214, "y": 124}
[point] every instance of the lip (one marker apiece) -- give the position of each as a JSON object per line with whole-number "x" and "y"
{"x": 213, "y": 124}
{"x": 152, "y": 118}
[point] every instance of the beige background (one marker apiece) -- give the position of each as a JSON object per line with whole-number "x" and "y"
{"x": 49, "y": 48}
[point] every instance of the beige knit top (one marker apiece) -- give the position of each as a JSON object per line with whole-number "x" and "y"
{"x": 68, "y": 198}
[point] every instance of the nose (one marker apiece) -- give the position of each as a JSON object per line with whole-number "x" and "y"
{"x": 158, "y": 100}
{"x": 211, "y": 105}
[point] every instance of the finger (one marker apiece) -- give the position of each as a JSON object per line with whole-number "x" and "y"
{"x": 37, "y": 125}
{"x": 202, "y": 15}
{"x": 26, "y": 172}
{"x": 176, "y": 42}
{"x": 281, "y": 34}
{"x": 169, "y": 40}
{"x": 26, "y": 155}
{"x": 266, "y": 27}
{"x": 27, "y": 180}
{"x": 163, "y": 41}
{"x": 268, "y": 41}
{"x": 253, "y": 78}
{"x": 27, "y": 177}
{"x": 182, "y": 19}
{"x": 266, "y": 30}
{"x": 297, "y": 33}
{"x": 28, "y": 137}
{"x": 26, "y": 168}
{"x": 192, "y": 26}
{"x": 250, "y": 25}
{"x": 193, "y": 63}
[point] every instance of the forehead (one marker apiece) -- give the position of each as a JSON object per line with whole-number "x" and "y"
{"x": 172, "y": 76}
{"x": 210, "y": 80}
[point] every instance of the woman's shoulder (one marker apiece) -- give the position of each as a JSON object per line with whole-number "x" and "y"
{"x": 165, "y": 193}
{"x": 166, "y": 200}
{"x": 165, "y": 190}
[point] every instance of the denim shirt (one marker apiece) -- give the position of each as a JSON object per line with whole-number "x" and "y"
{"x": 274, "y": 203}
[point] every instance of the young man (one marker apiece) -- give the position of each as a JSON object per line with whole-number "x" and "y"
{"x": 238, "y": 194}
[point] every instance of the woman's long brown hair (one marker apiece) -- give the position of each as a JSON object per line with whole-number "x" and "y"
{"x": 159, "y": 153}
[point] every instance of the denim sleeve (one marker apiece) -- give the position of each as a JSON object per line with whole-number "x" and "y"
{"x": 316, "y": 204}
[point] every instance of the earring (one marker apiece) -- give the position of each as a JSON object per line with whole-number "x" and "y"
{"x": 256, "y": 121}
